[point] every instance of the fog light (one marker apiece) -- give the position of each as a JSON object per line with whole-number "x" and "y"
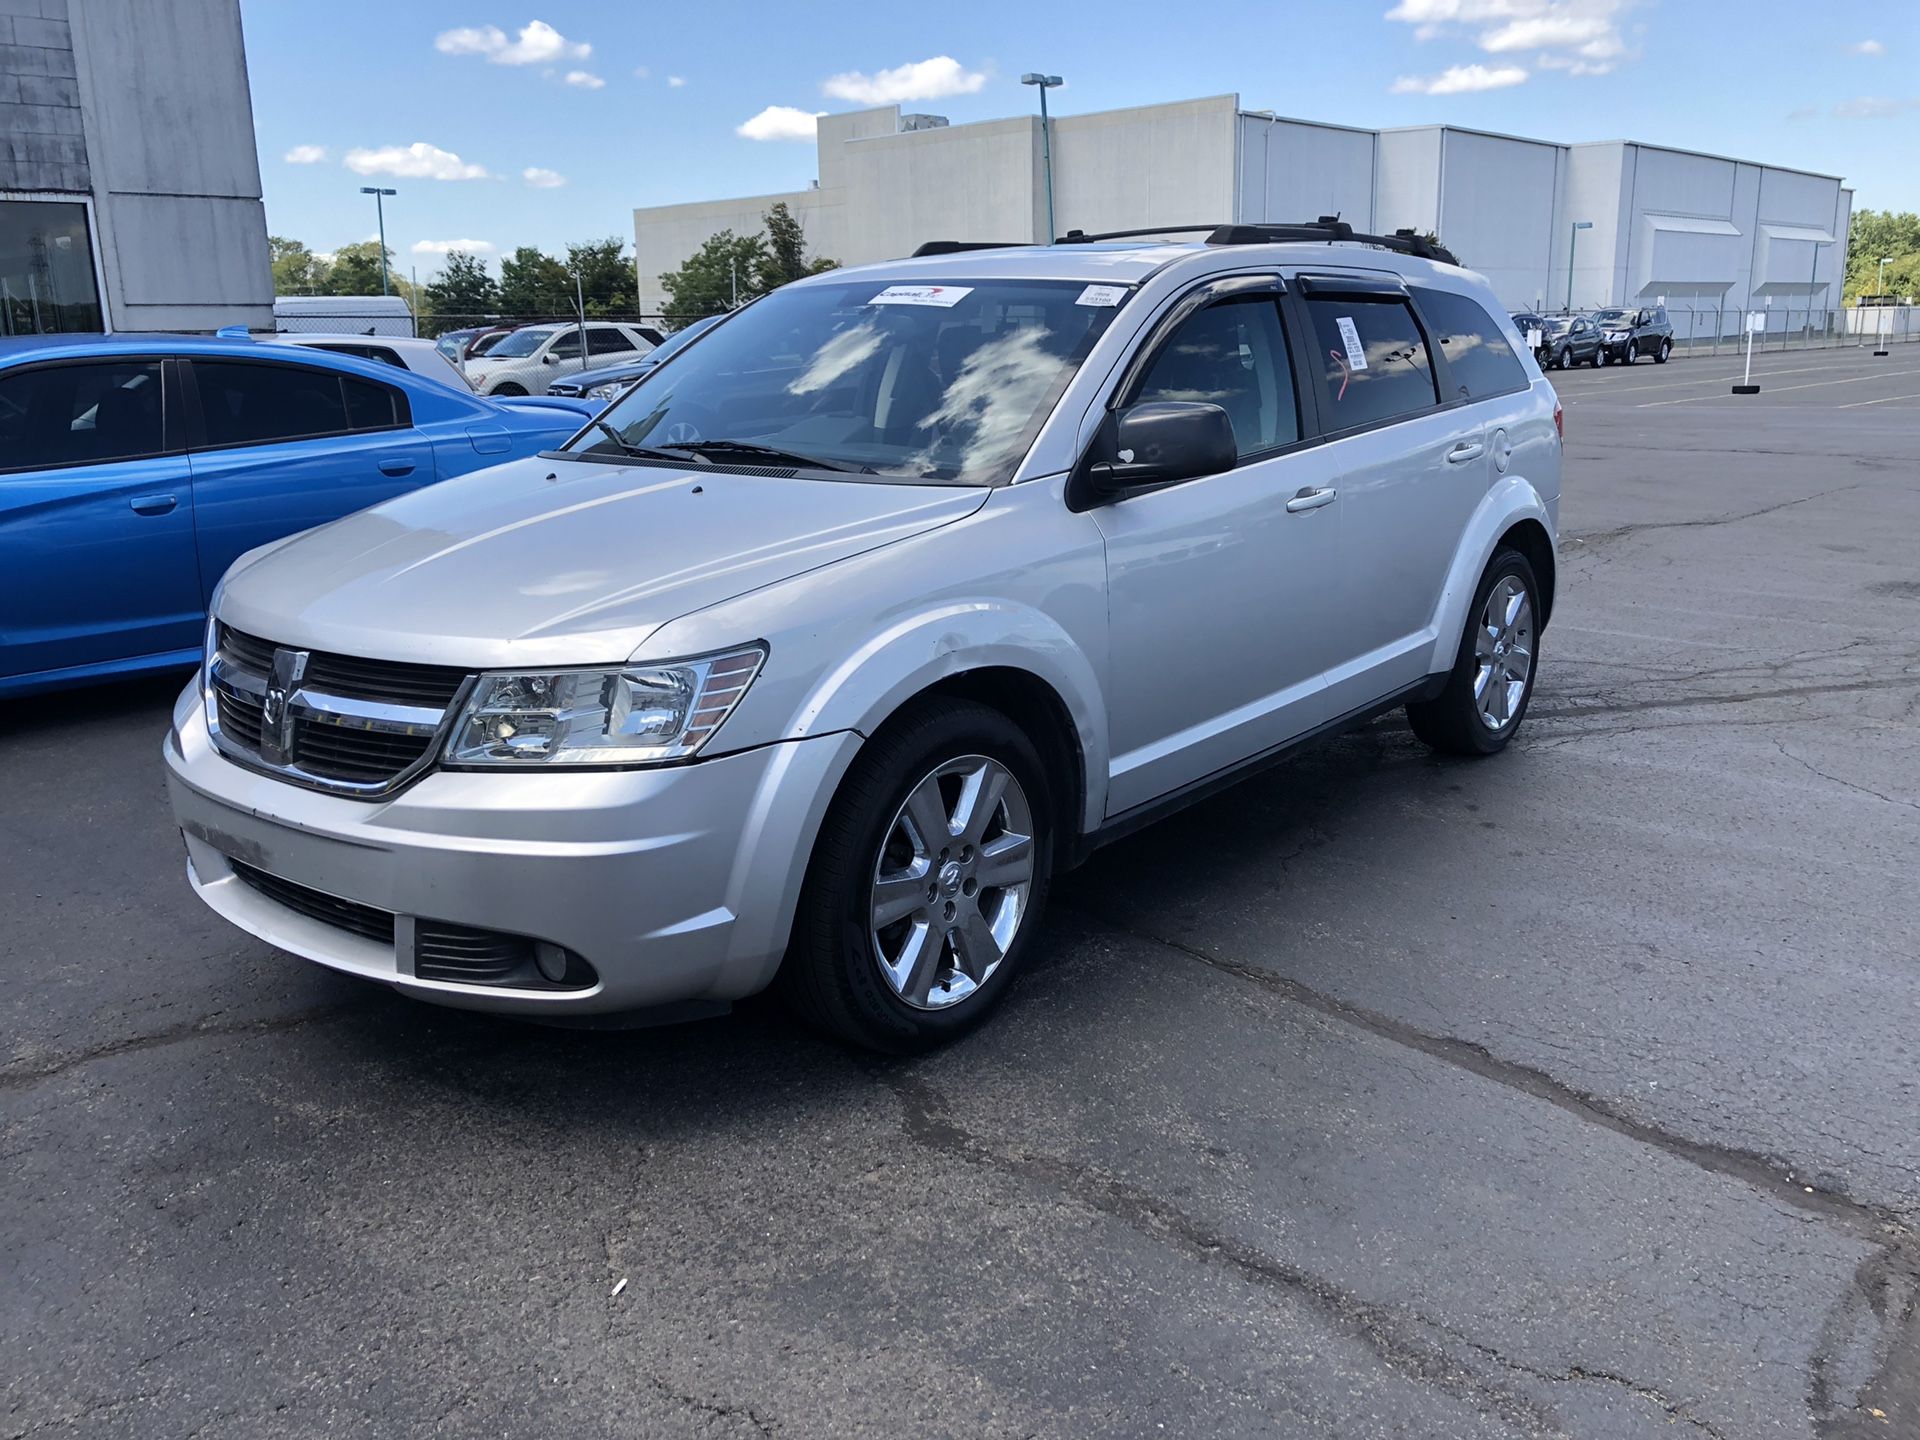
{"x": 552, "y": 961}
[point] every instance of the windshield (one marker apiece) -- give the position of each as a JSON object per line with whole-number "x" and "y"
{"x": 945, "y": 382}
{"x": 1609, "y": 314}
{"x": 519, "y": 343}
{"x": 1556, "y": 323}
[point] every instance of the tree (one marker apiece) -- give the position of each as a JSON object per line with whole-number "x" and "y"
{"x": 463, "y": 288}
{"x": 1880, "y": 233}
{"x": 786, "y": 257}
{"x": 532, "y": 282}
{"x": 607, "y": 282}
{"x": 296, "y": 269}
{"x": 724, "y": 269}
{"x": 356, "y": 270}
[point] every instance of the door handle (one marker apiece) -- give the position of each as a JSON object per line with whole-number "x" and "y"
{"x": 1466, "y": 450}
{"x": 396, "y": 465}
{"x": 153, "y": 504}
{"x": 1312, "y": 499}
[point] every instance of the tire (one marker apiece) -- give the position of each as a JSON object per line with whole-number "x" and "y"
{"x": 1601, "y": 357}
{"x": 1453, "y": 721}
{"x": 1564, "y": 360}
{"x": 848, "y": 970}
{"x": 1596, "y": 362}
{"x": 1660, "y": 355}
{"x": 506, "y": 389}
{"x": 1633, "y": 351}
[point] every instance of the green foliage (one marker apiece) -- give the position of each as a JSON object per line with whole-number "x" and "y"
{"x": 705, "y": 284}
{"x": 786, "y": 247}
{"x": 1878, "y": 233}
{"x": 356, "y": 270}
{"x": 607, "y": 281}
{"x": 296, "y": 269}
{"x": 532, "y": 282}
{"x": 463, "y": 288}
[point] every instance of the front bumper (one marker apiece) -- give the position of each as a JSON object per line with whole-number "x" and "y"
{"x": 674, "y": 884}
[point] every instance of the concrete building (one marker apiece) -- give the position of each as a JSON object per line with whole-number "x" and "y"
{"x": 1690, "y": 230}
{"x": 129, "y": 183}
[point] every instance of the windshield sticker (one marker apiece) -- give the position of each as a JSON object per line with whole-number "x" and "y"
{"x": 1350, "y": 337}
{"x": 944, "y": 296}
{"x": 1102, "y": 295}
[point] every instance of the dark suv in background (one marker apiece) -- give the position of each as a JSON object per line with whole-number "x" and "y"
{"x": 1626, "y": 334}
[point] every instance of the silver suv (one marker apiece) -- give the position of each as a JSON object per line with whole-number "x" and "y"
{"x": 831, "y": 641}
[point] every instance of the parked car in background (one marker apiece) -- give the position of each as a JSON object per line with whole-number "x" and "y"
{"x": 1566, "y": 341}
{"x": 459, "y": 346}
{"x": 422, "y": 357}
{"x": 343, "y": 314}
{"x": 534, "y": 356}
{"x": 605, "y": 382}
{"x": 1628, "y": 333}
{"x": 133, "y": 469}
{"x": 817, "y": 654}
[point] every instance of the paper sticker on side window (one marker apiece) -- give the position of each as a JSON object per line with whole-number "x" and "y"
{"x": 944, "y": 296}
{"x": 1350, "y": 337}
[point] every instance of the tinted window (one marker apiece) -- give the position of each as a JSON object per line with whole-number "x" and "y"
{"x": 80, "y": 414}
{"x": 1479, "y": 359}
{"x": 1233, "y": 355}
{"x": 1373, "y": 359}
{"x": 567, "y": 346}
{"x": 381, "y": 353}
{"x": 248, "y": 404}
{"x": 607, "y": 342}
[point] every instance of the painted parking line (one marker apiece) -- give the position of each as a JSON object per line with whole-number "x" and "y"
{"x": 1703, "y": 380}
{"x": 1781, "y": 389}
{"x": 1883, "y": 400}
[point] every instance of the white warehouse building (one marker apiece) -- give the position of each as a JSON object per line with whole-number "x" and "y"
{"x": 1656, "y": 225}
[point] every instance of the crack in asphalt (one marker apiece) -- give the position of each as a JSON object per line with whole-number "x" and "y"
{"x": 1379, "y": 1327}
{"x": 1600, "y": 537}
{"x": 24, "y": 1077}
{"x": 1685, "y": 702}
{"x": 1813, "y": 769}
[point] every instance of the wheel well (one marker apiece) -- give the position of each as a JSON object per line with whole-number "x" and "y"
{"x": 1529, "y": 537}
{"x": 1036, "y": 707}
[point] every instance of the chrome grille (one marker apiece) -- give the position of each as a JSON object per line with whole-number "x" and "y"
{"x": 345, "y": 723}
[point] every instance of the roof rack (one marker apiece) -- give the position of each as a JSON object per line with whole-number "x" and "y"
{"x": 955, "y": 247}
{"x": 1082, "y": 237}
{"x": 1331, "y": 228}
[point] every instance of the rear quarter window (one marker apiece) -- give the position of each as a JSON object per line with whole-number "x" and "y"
{"x": 1480, "y": 361}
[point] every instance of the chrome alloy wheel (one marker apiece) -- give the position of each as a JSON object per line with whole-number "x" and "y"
{"x": 951, "y": 882}
{"x": 1503, "y": 653}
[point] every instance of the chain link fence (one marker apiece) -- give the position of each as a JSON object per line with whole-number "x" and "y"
{"x": 348, "y": 319}
{"x": 1712, "y": 330}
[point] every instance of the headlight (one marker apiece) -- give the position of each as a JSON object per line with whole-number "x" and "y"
{"x": 609, "y": 390}
{"x": 633, "y": 715}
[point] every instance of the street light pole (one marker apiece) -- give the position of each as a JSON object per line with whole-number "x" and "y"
{"x": 380, "y": 210}
{"x": 1573, "y": 246}
{"x": 1046, "y": 83}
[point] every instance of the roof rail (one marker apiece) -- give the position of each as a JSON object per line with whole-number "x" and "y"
{"x": 1330, "y": 229}
{"x": 1082, "y": 237}
{"x": 955, "y": 247}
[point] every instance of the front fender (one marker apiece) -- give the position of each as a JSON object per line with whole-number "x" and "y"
{"x": 1510, "y": 501}
{"x": 915, "y": 652}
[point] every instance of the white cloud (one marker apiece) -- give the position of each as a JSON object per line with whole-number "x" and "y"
{"x": 418, "y": 161}
{"x": 543, "y": 179}
{"x": 1803, "y": 112}
{"x": 537, "y": 44}
{"x": 641, "y": 72}
{"x": 933, "y": 79}
{"x": 779, "y": 122}
{"x": 1866, "y": 47}
{"x": 444, "y": 247}
{"x": 674, "y": 82}
{"x": 1873, "y": 107}
{"x": 1579, "y": 37}
{"x": 1460, "y": 80}
{"x": 585, "y": 80}
{"x": 305, "y": 155}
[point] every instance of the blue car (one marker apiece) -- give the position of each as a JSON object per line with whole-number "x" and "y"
{"x": 135, "y": 469}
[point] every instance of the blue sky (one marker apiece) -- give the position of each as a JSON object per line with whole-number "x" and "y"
{"x": 511, "y": 124}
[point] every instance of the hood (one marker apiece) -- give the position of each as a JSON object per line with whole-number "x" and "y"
{"x": 555, "y": 562}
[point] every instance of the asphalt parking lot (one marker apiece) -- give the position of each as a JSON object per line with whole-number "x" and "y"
{"x": 1574, "y": 1092}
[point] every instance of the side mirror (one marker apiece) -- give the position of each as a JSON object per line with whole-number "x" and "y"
{"x": 549, "y": 359}
{"x": 1159, "y": 442}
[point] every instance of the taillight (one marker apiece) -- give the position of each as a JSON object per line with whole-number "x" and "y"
{"x": 1559, "y": 422}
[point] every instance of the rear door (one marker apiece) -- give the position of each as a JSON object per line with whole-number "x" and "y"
{"x": 281, "y": 447}
{"x": 1410, "y": 451}
{"x": 96, "y": 516}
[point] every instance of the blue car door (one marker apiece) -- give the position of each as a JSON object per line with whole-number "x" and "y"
{"x": 282, "y": 447}
{"x": 96, "y": 516}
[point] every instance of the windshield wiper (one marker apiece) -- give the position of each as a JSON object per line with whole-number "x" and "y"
{"x": 705, "y": 448}
{"x": 639, "y": 452}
